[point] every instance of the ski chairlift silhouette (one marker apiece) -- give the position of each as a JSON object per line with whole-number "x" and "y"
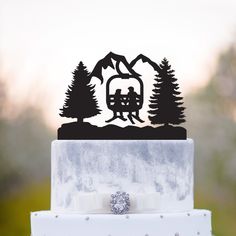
{"x": 120, "y": 103}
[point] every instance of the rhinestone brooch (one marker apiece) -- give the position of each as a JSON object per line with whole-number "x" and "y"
{"x": 120, "y": 203}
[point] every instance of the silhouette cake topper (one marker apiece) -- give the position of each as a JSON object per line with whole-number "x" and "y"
{"x": 165, "y": 103}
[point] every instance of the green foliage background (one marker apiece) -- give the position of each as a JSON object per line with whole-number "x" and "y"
{"x": 211, "y": 122}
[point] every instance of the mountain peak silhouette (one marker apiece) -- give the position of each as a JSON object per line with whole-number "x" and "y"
{"x": 106, "y": 62}
{"x": 145, "y": 59}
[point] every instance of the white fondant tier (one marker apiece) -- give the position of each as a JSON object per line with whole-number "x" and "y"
{"x": 158, "y": 175}
{"x": 193, "y": 223}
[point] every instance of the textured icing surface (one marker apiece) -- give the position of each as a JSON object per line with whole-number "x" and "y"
{"x": 157, "y": 173}
{"x": 196, "y": 222}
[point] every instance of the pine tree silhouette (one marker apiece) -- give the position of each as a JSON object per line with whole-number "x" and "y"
{"x": 165, "y": 103}
{"x": 80, "y": 100}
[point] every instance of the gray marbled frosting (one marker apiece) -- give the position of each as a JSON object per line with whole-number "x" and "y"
{"x": 158, "y": 174}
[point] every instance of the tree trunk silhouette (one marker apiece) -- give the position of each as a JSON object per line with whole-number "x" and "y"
{"x": 79, "y": 120}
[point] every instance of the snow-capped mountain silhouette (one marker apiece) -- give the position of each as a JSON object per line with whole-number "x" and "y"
{"x": 114, "y": 61}
{"x": 107, "y": 61}
{"x": 145, "y": 59}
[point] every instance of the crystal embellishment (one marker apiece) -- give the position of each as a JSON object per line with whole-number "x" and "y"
{"x": 120, "y": 203}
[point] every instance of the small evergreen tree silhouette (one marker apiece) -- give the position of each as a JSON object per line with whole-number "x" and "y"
{"x": 80, "y": 100}
{"x": 165, "y": 103}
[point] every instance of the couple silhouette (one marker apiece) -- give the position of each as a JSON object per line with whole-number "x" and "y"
{"x": 126, "y": 103}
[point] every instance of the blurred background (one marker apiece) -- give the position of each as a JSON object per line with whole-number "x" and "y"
{"x": 41, "y": 42}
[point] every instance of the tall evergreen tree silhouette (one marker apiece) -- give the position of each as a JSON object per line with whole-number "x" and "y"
{"x": 80, "y": 99}
{"x": 165, "y": 103}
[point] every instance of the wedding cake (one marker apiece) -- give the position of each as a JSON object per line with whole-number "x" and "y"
{"x": 122, "y": 181}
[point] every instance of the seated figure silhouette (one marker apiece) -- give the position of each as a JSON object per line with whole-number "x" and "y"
{"x": 118, "y": 106}
{"x": 132, "y": 100}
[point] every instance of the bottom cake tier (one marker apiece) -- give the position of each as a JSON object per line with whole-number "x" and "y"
{"x": 47, "y": 223}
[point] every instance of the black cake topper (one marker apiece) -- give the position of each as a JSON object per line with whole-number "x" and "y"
{"x": 165, "y": 103}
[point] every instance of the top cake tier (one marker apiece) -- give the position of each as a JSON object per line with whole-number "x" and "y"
{"x": 157, "y": 175}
